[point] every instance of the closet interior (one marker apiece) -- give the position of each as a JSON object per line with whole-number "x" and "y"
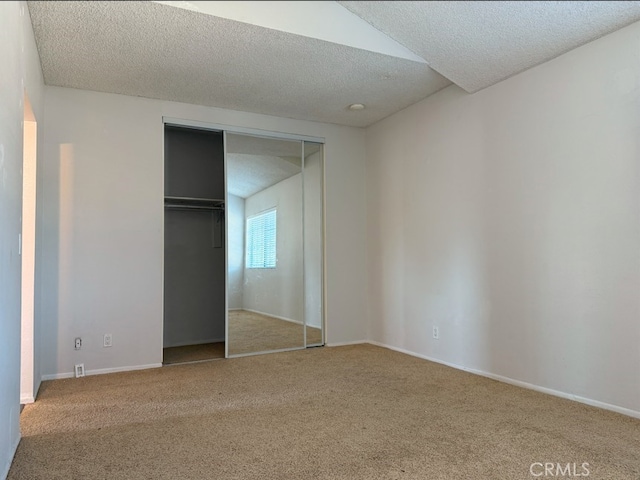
{"x": 194, "y": 239}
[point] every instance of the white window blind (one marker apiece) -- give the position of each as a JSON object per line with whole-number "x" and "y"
{"x": 261, "y": 240}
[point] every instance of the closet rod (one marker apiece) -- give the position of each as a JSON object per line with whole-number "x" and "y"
{"x": 192, "y": 199}
{"x": 192, "y": 207}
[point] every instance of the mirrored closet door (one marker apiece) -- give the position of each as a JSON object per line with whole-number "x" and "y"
{"x": 274, "y": 243}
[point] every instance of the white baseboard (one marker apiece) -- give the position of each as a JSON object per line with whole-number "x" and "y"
{"x": 344, "y": 344}
{"x": 298, "y": 322}
{"x": 5, "y": 468}
{"x": 101, "y": 371}
{"x": 57, "y": 376}
{"x": 518, "y": 383}
{"x": 558, "y": 393}
{"x": 419, "y": 355}
{"x": 274, "y": 316}
{"x": 25, "y": 399}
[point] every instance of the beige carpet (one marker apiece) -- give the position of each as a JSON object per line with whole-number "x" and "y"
{"x": 192, "y": 353}
{"x": 358, "y": 412}
{"x": 253, "y": 332}
{"x": 248, "y": 333}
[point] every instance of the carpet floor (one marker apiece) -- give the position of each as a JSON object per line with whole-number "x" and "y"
{"x": 356, "y": 412}
{"x": 192, "y": 353}
{"x": 251, "y": 332}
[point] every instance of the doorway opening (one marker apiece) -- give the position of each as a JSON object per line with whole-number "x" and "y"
{"x": 28, "y": 252}
{"x": 194, "y": 245}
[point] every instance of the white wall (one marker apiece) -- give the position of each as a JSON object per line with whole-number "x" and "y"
{"x": 278, "y": 291}
{"x": 102, "y": 246}
{"x": 235, "y": 250}
{"x": 34, "y": 87}
{"x": 102, "y": 243}
{"x": 510, "y": 219}
{"x": 20, "y": 73}
{"x": 10, "y": 208}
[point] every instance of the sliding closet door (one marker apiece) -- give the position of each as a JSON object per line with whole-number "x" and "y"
{"x": 194, "y": 265}
{"x": 275, "y": 244}
{"x": 266, "y": 258}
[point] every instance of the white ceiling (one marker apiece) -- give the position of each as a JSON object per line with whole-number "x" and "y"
{"x": 255, "y": 163}
{"x": 477, "y": 44}
{"x": 307, "y": 60}
{"x": 250, "y": 174}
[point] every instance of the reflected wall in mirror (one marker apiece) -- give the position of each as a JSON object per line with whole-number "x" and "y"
{"x": 266, "y": 278}
{"x": 313, "y": 235}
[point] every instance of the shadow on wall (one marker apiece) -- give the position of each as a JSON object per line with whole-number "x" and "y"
{"x": 57, "y": 257}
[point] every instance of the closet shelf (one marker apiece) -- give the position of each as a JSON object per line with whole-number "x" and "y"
{"x": 194, "y": 203}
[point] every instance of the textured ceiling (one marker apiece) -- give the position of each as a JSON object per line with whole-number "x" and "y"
{"x": 255, "y": 163}
{"x": 250, "y": 174}
{"x": 160, "y": 51}
{"x": 477, "y": 44}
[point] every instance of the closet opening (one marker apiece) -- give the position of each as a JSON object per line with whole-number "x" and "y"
{"x": 194, "y": 245}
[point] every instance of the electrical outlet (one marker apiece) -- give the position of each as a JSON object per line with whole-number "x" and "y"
{"x": 107, "y": 342}
{"x": 79, "y": 370}
{"x": 78, "y": 343}
{"x": 436, "y": 333}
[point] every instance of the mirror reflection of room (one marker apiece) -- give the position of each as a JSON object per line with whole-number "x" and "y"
{"x": 313, "y": 245}
{"x": 265, "y": 263}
